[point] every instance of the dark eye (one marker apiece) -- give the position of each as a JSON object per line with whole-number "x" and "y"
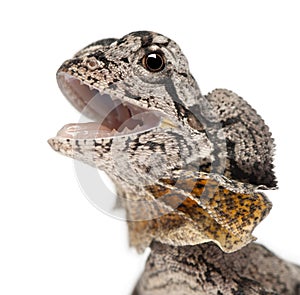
{"x": 154, "y": 61}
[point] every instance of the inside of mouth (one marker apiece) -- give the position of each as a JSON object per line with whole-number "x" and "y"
{"x": 111, "y": 116}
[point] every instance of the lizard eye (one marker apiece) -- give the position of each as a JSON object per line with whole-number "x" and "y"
{"x": 154, "y": 62}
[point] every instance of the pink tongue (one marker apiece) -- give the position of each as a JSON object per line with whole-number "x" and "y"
{"x": 85, "y": 131}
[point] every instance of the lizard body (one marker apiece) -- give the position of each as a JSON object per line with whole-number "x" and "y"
{"x": 188, "y": 168}
{"x": 206, "y": 270}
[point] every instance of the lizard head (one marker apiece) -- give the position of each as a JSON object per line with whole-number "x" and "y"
{"x": 195, "y": 161}
{"x": 137, "y": 91}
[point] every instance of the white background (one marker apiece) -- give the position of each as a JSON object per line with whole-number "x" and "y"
{"x": 52, "y": 240}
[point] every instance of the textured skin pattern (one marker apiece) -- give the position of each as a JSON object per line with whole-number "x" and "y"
{"x": 206, "y": 270}
{"x": 210, "y": 213}
{"x": 194, "y": 178}
{"x": 218, "y": 137}
{"x": 246, "y": 135}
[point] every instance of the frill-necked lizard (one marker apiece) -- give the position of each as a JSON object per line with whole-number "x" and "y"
{"x": 188, "y": 168}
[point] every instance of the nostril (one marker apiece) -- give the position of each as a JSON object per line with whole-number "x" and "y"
{"x": 92, "y": 63}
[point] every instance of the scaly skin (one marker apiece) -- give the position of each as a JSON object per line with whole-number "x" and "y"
{"x": 189, "y": 171}
{"x": 205, "y": 270}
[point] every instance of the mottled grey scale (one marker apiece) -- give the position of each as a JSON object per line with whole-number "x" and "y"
{"x": 205, "y": 269}
{"x": 249, "y": 142}
{"x": 188, "y": 168}
{"x": 146, "y": 37}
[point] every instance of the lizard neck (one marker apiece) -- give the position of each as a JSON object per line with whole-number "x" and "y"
{"x": 190, "y": 211}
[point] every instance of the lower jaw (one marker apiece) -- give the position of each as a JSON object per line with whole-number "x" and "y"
{"x": 139, "y": 123}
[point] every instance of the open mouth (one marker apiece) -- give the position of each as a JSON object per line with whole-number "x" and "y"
{"x": 112, "y": 116}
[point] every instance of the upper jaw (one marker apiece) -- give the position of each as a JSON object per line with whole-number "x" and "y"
{"x": 112, "y": 115}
